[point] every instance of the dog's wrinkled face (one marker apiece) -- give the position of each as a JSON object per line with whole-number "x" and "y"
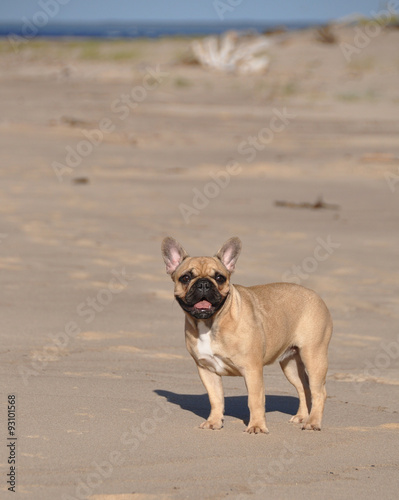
{"x": 201, "y": 283}
{"x": 201, "y": 286}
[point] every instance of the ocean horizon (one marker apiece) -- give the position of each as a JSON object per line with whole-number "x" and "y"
{"x": 28, "y": 29}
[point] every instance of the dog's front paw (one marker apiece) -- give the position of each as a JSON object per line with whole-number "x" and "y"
{"x": 214, "y": 425}
{"x": 298, "y": 419}
{"x": 257, "y": 429}
{"x": 311, "y": 426}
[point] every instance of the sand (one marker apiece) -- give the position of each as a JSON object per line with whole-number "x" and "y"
{"x": 108, "y": 147}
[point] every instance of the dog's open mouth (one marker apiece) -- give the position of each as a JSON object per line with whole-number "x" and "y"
{"x": 203, "y": 304}
{"x": 202, "y": 309}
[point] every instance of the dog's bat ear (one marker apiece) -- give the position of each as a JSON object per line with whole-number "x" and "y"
{"x": 229, "y": 253}
{"x": 173, "y": 254}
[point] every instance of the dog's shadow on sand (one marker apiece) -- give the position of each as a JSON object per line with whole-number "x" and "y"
{"x": 235, "y": 406}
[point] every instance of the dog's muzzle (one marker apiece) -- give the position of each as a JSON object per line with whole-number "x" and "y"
{"x": 202, "y": 300}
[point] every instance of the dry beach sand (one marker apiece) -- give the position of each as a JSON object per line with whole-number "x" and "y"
{"x": 107, "y": 147}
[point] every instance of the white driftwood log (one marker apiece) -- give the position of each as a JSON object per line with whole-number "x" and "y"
{"x": 233, "y": 53}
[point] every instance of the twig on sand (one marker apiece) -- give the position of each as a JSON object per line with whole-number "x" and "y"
{"x": 318, "y": 204}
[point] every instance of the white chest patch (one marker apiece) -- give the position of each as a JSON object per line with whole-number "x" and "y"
{"x": 206, "y": 357}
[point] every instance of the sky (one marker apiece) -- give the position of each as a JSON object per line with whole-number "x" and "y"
{"x": 182, "y": 10}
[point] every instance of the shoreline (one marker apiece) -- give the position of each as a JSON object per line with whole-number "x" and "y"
{"x": 150, "y": 30}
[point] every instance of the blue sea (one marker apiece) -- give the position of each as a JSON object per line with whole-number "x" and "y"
{"x": 29, "y": 29}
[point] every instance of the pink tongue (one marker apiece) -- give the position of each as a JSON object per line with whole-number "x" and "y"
{"x": 204, "y": 304}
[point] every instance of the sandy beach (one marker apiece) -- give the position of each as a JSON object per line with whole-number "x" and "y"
{"x": 107, "y": 147}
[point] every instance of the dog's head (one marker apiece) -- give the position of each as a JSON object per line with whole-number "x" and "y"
{"x": 201, "y": 283}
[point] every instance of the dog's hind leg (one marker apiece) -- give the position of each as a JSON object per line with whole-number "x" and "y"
{"x": 294, "y": 370}
{"x": 316, "y": 365}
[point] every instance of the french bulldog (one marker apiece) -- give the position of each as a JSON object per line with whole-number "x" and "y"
{"x": 236, "y": 330}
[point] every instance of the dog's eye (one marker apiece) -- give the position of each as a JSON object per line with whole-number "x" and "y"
{"x": 220, "y": 278}
{"x": 185, "y": 278}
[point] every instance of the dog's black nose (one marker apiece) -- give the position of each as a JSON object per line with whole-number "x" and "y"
{"x": 203, "y": 285}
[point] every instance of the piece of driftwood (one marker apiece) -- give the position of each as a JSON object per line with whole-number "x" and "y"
{"x": 325, "y": 34}
{"x": 74, "y": 122}
{"x": 379, "y": 158}
{"x": 80, "y": 180}
{"x": 317, "y": 205}
{"x": 233, "y": 53}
